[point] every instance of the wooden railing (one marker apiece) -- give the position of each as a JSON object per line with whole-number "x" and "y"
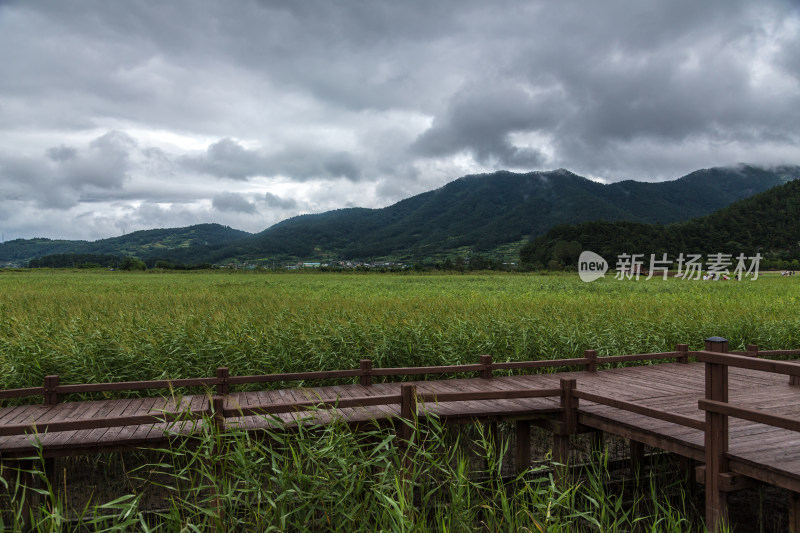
{"x": 52, "y": 389}
{"x": 717, "y": 359}
{"x": 717, "y": 475}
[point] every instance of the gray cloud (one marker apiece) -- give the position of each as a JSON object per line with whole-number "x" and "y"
{"x": 143, "y": 112}
{"x": 274, "y": 201}
{"x": 58, "y": 179}
{"x": 229, "y": 159}
{"x": 480, "y": 120}
{"x": 237, "y": 203}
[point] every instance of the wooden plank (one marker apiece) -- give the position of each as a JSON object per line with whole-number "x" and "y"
{"x": 322, "y": 416}
{"x": 57, "y": 413}
{"x": 505, "y": 383}
{"x": 107, "y": 409}
{"x": 468, "y": 408}
{"x": 764, "y": 473}
{"x": 125, "y": 431}
{"x": 357, "y": 414}
{"x": 71, "y": 438}
{"x": 372, "y": 413}
{"x": 516, "y": 394}
{"x": 17, "y": 415}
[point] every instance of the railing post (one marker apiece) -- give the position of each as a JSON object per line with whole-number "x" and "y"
{"x": 407, "y": 423}
{"x": 50, "y": 393}
{"x": 218, "y": 412}
{"x": 213, "y": 462}
{"x": 794, "y": 512}
{"x": 637, "y": 458}
{"x": 570, "y": 405}
{"x": 591, "y": 355}
{"x": 716, "y": 439}
{"x": 716, "y": 344}
{"x": 408, "y": 411}
{"x": 222, "y": 385}
{"x": 752, "y": 350}
{"x": 486, "y": 361}
{"x": 569, "y": 426}
{"x": 365, "y": 365}
{"x": 522, "y": 435}
{"x": 684, "y": 349}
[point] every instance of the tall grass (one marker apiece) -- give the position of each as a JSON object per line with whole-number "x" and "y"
{"x": 111, "y": 326}
{"x": 329, "y": 478}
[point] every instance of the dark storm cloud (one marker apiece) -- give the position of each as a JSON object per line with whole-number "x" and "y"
{"x": 481, "y": 119}
{"x": 664, "y": 72}
{"x": 363, "y": 103}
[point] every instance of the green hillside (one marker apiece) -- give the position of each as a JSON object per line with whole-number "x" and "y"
{"x": 768, "y": 223}
{"x": 137, "y": 244}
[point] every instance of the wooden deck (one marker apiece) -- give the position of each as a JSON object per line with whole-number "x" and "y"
{"x": 657, "y": 405}
{"x": 759, "y": 451}
{"x": 97, "y": 440}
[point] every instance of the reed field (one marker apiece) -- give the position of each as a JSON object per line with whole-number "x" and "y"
{"x": 96, "y": 326}
{"x": 113, "y": 326}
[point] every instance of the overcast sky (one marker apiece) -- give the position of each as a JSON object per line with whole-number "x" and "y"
{"x": 139, "y": 114}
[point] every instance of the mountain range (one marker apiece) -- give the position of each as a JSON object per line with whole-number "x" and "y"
{"x": 480, "y": 213}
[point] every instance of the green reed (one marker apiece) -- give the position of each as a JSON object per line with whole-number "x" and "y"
{"x": 329, "y": 478}
{"x": 112, "y": 326}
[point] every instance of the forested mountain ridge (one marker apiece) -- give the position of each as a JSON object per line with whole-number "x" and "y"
{"x": 767, "y": 223}
{"x": 484, "y": 211}
{"x": 136, "y": 244}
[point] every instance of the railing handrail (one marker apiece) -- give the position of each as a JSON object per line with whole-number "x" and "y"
{"x": 640, "y": 409}
{"x": 749, "y": 363}
{"x": 751, "y": 415}
{"x": 483, "y": 367}
{"x": 486, "y": 366}
{"x": 171, "y": 417}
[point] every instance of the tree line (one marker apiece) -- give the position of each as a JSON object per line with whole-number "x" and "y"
{"x": 767, "y": 223}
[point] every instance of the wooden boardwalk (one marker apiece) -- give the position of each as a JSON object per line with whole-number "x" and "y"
{"x": 656, "y": 405}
